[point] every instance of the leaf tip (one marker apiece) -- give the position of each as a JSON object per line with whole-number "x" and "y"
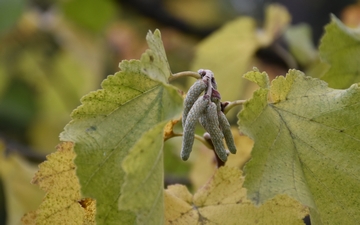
{"x": 151, "y": 35}
{"x": 260, "y": 78}
{"x": 333, "y": 17}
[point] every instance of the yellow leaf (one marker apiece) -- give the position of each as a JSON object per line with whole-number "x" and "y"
{"x": 203, "y": 167}
{"x": 20, "y": 195}
{"x": 178, "y": 207}
{"x": 212, "y": 13}
{"x": 62, "y": 203}
{"x": 204, "y": 164}
{"x": 244, "y": 146}
{"x": 277, "y": 19}
{"x": 223, "y": 201}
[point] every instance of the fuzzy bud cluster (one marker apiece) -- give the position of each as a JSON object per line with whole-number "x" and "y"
{"x": 206, "y": 109}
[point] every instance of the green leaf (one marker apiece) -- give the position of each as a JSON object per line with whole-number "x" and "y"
{"x": 340, "y": 47}
{"x": 259, "y": 78}
{"x": 155, "y": 56}
{"x": 142, "y": 191}
{"x": 301, "y": 45}
{"x": 306, "y": 145}
{"x": 276, "y": 20}
{"x": 10, "y": 12}
{"x": 82, "y": 12}
{"x": 227, "y": 53}
{"x": 230, "y": 50}
{"x": 60, "y": 75}
{"x": 112, "y": 120}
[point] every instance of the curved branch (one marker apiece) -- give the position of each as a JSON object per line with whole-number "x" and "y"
{"x": 202, "y": 140}
{"x": 185, "y": 74}
{"x": 231, "y": 105}
{"x": 198, "y": 137}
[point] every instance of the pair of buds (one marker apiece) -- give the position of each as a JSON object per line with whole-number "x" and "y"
{"x": 207, "y": 110}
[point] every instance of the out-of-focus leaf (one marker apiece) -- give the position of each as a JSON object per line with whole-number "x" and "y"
{"x": 317, "y": 69}
{"x": 204, "y": 164}
{"x": 20, "y": 195}
{"x": 229, "y": 51}
{"x": 223, "y": 201}
{"x": 277, "y": 19}
{"x": 61, "y": 72}
{"x": 202, "y": 14}
{"x": 17, "y": 107}
{"x": 340, "y": 48}
{"x": 300, "y": 43}
{"x": 62, "y": 203}
{"x": 110, "y": 122}
{"x": 306, "y": 146}
{"x": 174, "y": 167}
{"x": 93, "y": 15}
{"x": 4, "y": 81}
{"x": 244, "y": 146}
{"x": 55, "y": 104}
{"x": 10, "y": 12}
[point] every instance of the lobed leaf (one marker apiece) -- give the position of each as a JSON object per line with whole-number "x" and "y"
{"x": 223, "y": 201}
{"x": 111, "y": 121}
{"x": 306, "y": 145}
{"x": 62, "y": 203}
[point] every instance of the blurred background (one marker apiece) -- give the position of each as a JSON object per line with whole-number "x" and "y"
{"x": 52, "y": 52}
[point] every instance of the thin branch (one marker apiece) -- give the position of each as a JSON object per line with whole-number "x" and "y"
{"x": 233, "y": 104}
{"x": 198, "y": 137}
{"x": 185, "y": 74}
{"x": 172, "y": 135}
{"x": 202, "y": 140}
